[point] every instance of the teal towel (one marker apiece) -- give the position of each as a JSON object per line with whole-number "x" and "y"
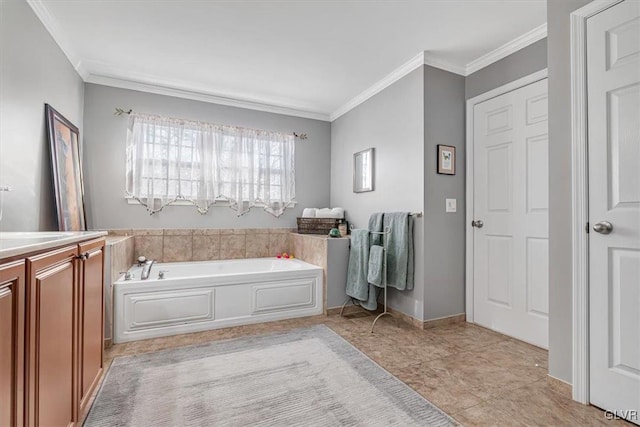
{"x": 375, "y": 224}
{"x": 357, "y": 284}
{"x": 399, "y": 246}
{"x": 376, "y": 265}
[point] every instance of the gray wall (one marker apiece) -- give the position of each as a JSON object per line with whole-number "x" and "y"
{"x": 104, "y": 159}
{"x": 560, "y": 277}
{"x": 519, "y": 64}
{"x": 33, "y": 71}
{"x": 444, "y": 238}
{"x": 337, "y": 266}
{"x": 392, "y": 122}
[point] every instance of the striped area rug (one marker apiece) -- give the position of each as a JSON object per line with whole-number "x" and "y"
{"x": 305, "y": 377}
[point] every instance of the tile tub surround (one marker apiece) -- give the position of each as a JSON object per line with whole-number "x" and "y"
{"x": 119, "y": 255}
{"x": 207, "y": 244}
{"x": 478, "y": 376}
{"x": 312, "y": 249}
{"x": 317, "y": 249}
{"x": 211, "y": 244}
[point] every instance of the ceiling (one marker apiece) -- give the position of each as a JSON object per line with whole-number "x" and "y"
{"x": 313, "y": 57}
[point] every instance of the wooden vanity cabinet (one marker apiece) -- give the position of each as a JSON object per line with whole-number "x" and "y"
{"x": 51, "y": 335}
{"x": 12, "y": 319}
{"x": 66, "y": 332}
{"x": 91, "y": 327}
{"x": 52, "y": 344}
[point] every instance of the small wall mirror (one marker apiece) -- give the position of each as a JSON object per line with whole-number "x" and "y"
{"x": 363, "y": 171}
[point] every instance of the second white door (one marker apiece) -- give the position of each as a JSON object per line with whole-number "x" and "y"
{"x": 613, "y": 88}
{"x": 511, "y": 240}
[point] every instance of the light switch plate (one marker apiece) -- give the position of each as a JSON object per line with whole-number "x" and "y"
{"x": 451, "y": 205}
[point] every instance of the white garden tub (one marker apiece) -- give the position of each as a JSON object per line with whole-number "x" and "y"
{"x": 196, "y": 296}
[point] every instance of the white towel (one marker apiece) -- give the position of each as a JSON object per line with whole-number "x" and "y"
{"x": 338, "y": 213}
{"x": 309, "y": 213}
{"x": 324, "y": 213}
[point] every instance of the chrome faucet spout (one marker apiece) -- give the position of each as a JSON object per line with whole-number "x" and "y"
{"x": 146, "y": 269}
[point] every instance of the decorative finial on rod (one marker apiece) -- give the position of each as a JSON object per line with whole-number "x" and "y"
{"x": 120, "y": 111}
{"x": 300, "y": 135}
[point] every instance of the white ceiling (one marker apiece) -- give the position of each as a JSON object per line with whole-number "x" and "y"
{"x": 312, "y": 56}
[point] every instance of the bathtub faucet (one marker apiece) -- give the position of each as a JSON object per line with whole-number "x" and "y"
{"x": 146, "y": 269}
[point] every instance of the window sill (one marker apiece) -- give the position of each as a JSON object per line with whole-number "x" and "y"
{"x": 219, "y": 203}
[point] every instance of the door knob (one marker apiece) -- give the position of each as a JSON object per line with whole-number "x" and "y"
{"x": 603, "y": 227}
{"x": 477, "y": 223}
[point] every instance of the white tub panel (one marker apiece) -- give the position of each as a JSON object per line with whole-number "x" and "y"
{"x": 156, "y": 308}
{"x": 153, "y": 309}
{"x": 283, "y": 296}
{"x": 233, "y": 301}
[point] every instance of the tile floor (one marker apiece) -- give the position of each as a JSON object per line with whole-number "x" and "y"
{"x": 479, "y": 377}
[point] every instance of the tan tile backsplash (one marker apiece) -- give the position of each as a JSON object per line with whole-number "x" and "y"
{"x": 258, "y": 245}
{"x": 149, "y": 246}
{"x": 233, "y": 245}
{"x": 279, "y": 243}
{"x": 177, "y": 247}
{"x": 205, "y": 244}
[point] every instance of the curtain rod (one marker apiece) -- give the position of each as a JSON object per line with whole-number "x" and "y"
{"x": 120, "y": 111}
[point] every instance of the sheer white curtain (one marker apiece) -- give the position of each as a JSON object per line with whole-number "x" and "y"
{"x": 203, "y": 163}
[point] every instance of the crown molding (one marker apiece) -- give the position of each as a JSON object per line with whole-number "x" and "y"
{"x": 426, "y": 58}
{"x": 507, "y": 49}
{"x": 92, "y": 72}
{"x": 380, "y": 85}
{"x": 54, "y": 29}
{"x": 423, "y": 58}
{"x": 107, "y": 76}
{"x": 437, "y": 62}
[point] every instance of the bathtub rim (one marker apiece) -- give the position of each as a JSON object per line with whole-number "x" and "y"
{"x": 308, "y": 267}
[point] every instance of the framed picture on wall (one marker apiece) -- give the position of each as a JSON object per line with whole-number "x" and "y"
{"x": 363, "y": 171}
{"x": 67, "y": 172}
{"x": 446, "y": 159}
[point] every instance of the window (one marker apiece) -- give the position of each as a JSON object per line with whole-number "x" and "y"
{"x": 202, "y": 163}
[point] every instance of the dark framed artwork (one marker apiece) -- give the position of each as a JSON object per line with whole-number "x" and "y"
{"x": 446, "y": 159}
{"x": 67, "y": 171}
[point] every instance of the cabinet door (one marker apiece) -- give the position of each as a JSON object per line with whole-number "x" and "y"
{"x": 91, "y": 318}
{"x": 12, "y": 307}
{"x": 53, "y": 296}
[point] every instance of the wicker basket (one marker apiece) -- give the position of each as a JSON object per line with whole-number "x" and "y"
{"x": 317, "y": 225}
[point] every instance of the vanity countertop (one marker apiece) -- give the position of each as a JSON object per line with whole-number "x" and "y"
{"x": 19, "y": 243}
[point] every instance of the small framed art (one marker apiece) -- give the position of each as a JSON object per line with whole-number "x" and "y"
{"x": 363, "y": 171}
{"x": 446, "y": 159}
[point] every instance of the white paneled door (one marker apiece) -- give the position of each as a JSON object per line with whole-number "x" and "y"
{"x": 511, "y": 240}
{"x": 613, "y": 91}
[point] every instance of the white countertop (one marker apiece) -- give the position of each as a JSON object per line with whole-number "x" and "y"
{"x": 18, "y": 243}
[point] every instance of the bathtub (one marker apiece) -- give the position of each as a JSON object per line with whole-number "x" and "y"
{"x": 197, "y": 296}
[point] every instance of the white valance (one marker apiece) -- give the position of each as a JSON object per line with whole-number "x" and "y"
{"x": 171, "y": 160}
